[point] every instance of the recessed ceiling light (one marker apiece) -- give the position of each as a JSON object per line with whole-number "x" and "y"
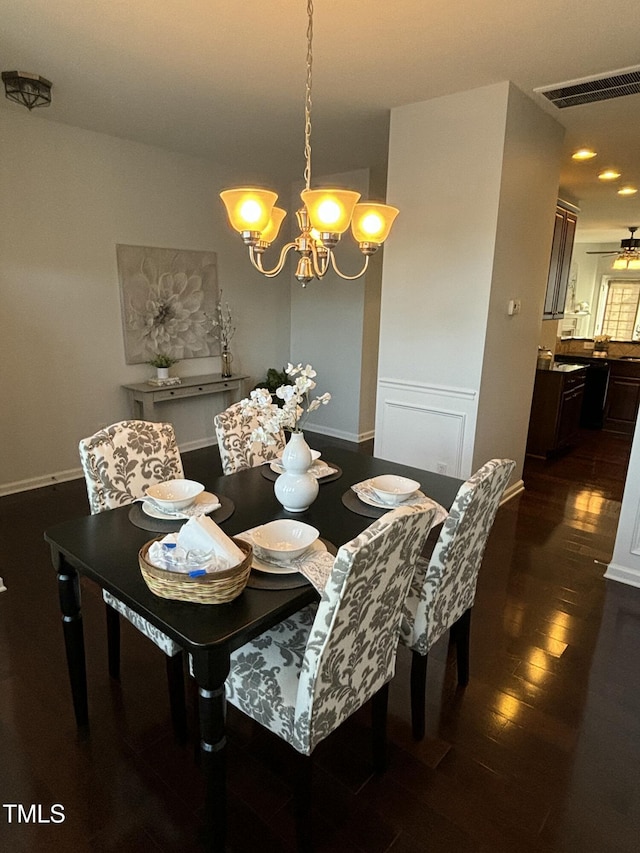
{"x": 583, "y": 154}
{"x": 609, "y": 175}
{"x": 627, "y": 191}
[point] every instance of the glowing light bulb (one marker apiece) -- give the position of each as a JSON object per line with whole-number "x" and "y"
{"x": 251, "y": 211}
{"x": 329, "y": 212}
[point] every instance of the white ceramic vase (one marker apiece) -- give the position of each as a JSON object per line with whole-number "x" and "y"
{"x": 297, "y": 488}
{"x": 162, "y": 372}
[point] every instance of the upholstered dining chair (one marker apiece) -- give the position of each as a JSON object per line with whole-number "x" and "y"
{"x": 305, "y": 676}
{"x": 237, "y": 451}
{"x": 118, "y": 462}
{"x": 443, "y": 588}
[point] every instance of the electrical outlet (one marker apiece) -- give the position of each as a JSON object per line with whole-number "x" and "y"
{"x": 441, "y": 467}
{"x": 587, "y": 345}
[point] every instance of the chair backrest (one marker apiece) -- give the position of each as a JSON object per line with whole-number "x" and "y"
{"x": 237, "y": 451}
{"x": 447, "y": 582}
{"x": 352, "y": 645}
{"x": 122, "y": 459}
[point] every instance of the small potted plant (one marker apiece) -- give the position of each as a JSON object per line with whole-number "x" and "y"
{"x": 162, "y": 363}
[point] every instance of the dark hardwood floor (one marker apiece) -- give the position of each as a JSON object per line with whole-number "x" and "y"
{"x": 541, "y": 752}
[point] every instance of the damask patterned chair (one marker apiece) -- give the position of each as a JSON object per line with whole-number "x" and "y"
{"x": 237, "y": 451}
{"x": 305, "y": 676}
{"x": 443, "y": 588}
{"x": 118, "y": 463}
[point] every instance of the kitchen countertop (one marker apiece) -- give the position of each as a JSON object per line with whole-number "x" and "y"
{"x": 562, "y": 368}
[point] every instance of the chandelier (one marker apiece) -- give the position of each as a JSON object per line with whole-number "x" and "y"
{"x": 324, "y": 216}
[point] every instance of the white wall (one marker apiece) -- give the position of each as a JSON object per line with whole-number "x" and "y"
{"x": 67, "y": 197}
{"x": 625, "y": 563}
{"x": 528, "y": 191}
{"x": 475, "y": 175}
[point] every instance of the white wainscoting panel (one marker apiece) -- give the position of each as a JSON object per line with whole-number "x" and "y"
{"x": 426, "y": 426}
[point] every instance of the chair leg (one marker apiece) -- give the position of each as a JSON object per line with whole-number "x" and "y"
{"x": 418, "y": 693}
{"x": 460, "y": 633}
{"x": 113, "y": 641}
{"x": 302, "y": 798}
{"x": 379, "y": 705}
{"x": 175, "y": 677}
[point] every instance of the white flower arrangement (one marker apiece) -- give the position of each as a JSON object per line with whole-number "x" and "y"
{"x": 223, "y": 323}
{"x": 296, "y": 406}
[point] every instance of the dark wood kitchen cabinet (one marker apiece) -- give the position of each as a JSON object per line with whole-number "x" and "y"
{"x": 564, "y": 232}
{"x": 623, "y": 397}
{"x": 555, "y": 410}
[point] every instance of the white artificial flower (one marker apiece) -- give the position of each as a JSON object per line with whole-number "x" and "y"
{"x": 295, "y": 396}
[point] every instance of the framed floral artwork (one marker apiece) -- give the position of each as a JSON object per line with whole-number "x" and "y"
{"x": 169, "y": 299}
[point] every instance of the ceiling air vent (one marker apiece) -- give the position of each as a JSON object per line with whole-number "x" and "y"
{"x": 613, "y": 84}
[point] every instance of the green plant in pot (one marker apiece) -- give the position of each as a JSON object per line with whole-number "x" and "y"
{"x": 162, "y": 363}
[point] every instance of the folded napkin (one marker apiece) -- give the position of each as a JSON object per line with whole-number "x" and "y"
{"x": 314, "y": 565}
{"x": 201, "y": 507}
{"x": 203, "y": 534}
{"x": 199, "y": 546}
{"x": 364, "y": 489}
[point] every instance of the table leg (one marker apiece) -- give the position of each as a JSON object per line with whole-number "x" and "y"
{"x": 69, "y": 594}
{"x": 211, "y": 670}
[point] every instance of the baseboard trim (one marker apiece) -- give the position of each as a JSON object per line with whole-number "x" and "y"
{"x": 623, "y": 574}
{"x": 512, "y": 491}
{"x": 76, "y": 473}
{"x": 357, "y": 438}
{"x": 40, "y": 482}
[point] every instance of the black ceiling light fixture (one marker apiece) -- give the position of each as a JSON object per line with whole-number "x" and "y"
{"x": 28, "y": 89}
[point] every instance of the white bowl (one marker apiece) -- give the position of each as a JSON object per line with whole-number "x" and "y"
{"x": 284, "y": 539}
{"x": 174, "y": 495}
{"x": 392, "y": 489}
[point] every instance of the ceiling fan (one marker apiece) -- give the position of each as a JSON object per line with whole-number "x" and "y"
{"x": 631, "y": 244}
{"x": 628, "y": 255}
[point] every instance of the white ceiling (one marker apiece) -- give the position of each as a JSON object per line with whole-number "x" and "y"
{"x": 226, "y": 79}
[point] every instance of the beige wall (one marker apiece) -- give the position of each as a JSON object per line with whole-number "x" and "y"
{"x": 67, "y": 196}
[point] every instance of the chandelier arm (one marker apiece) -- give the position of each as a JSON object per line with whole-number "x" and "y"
{"x": 256, "y": 260}
{"x": 320, "y": 265}
{"x": 349, "y": 277}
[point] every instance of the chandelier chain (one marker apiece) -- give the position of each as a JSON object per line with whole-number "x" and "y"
{"x": 307, "y": 98}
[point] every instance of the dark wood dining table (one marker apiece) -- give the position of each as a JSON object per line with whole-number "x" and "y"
{"x": 104, "y": 548}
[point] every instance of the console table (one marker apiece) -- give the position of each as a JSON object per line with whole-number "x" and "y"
{"x": 143, "y": 397}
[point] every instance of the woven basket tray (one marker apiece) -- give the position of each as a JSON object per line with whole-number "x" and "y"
{"x": 214, "y": 588}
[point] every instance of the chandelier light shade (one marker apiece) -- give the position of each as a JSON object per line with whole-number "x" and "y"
{"x": 324, "y": 217}
{"x": 30, "y": 90}
{"x": 249, "y": 209}
{"x": 330, "y": 210}
{"x": 371, "y": 222}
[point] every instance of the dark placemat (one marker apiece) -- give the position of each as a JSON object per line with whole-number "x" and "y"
{"x": 263, "y": 580}
{"x": 353, "y": 502}
{"x": 269, "y": 474}
{"x": 158, "y": 525}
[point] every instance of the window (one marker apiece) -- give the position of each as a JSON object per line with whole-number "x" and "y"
{"x": 618, "y": 310}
